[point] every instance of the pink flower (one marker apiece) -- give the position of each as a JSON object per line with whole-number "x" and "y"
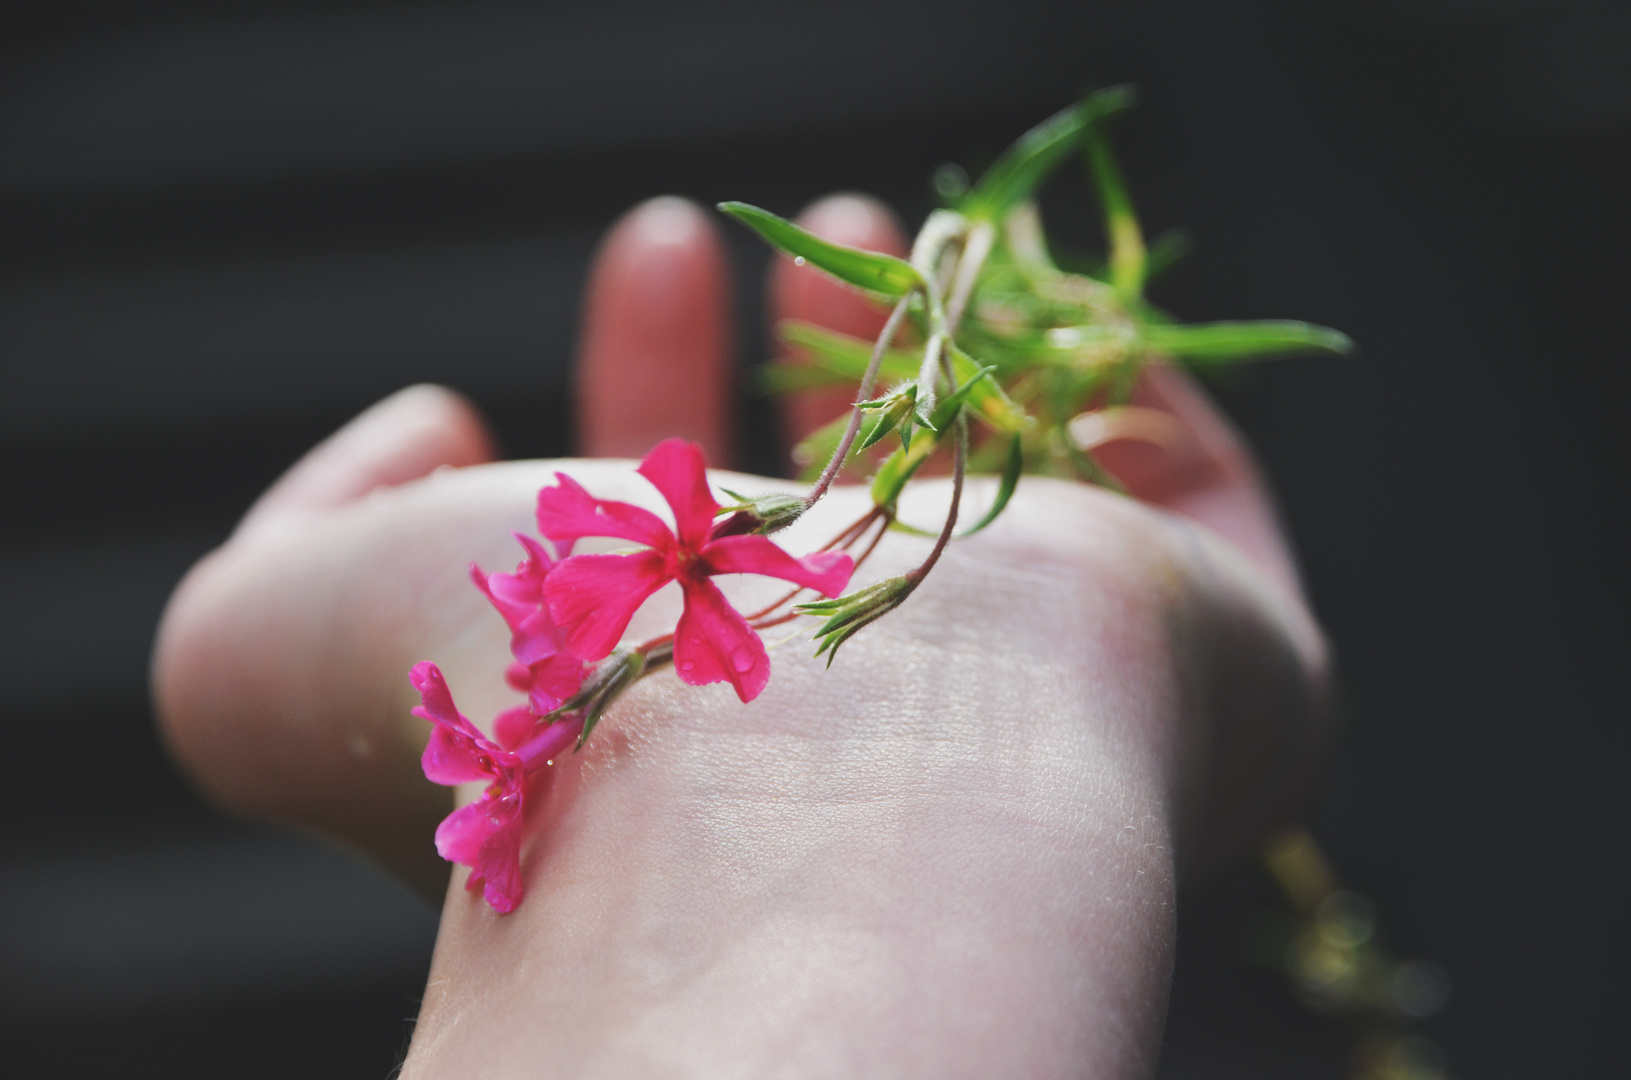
{"x": 542, "y": 671}
{"x": 592, "y": 597}
{"x": 486, "y": 834}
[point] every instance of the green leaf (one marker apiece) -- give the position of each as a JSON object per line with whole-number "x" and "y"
{"x": 867, "y": 270}
{"x": 1005, "y": 490}
{"x": 845, "y": 355}
{"x": 946, "y": 411}
{"x": 818, "y": 447}
{"x": 985, "y": 397}
{"x": 1222, "y": 342}
{"x": 791, "y": 376}
{"x": 1023, "y": 166}
{"x": 1166, "y": 251}
{"x": 1128, "y": 259}
{"x": 899, "y": 467}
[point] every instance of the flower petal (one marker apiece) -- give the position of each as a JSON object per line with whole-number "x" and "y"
{"x": 593, "y": 597}
{"x": 536, "y": 638}
{"x": 827, "y": 572}
{"x": 566, "y": 512}
{"x": 713, "y": 643}
{"x": 553, "y": 681}
{"x": 452, "y": 757}
{"x": 462, "y": 834}
{"x": 512, "y": 727}
{"x": 454, "y": 754}
{"x": 677, "y": 469}
{"x": 500, "y": 865}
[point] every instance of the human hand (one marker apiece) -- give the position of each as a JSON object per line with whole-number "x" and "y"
{"x": 952, "y": 853}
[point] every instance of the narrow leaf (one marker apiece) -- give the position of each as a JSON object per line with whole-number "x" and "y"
{"x": 845, "y": 355}
{"x": 1005, "y": 490}
{"x": 1128, "y": 259}
{"x": 985, "y": 396}
{"x": 1222, "y": 342}
{"x": 1023, "y": 166}
{"x": 791, "y": 376}
{"x": 867, "y": 270}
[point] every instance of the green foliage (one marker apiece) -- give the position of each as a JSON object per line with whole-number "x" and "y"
{"x": 1003, "y": 333}
{"x": 1224, "y": 342}
{"x": 881, "y": 274}
{"x": 1015, "y": 176}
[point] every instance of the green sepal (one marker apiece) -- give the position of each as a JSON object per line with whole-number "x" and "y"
{"x": 889, "y": 412}
{"x": 1023, "y": 166}
{"x": 846, "y": 615}
{"x": 985, "y": 397}
{"x": 1223, "y": 342}
{"x": 769, "y": 513}
{"x": 869, "y": 270}
{"x": 946, "y": 411}
{"x": 604, "y": 685}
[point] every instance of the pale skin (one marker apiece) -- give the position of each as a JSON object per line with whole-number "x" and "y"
{"x": 953, "y": 854}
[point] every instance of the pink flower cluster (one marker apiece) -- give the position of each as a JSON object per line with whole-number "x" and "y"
{"x": 565, "y": 615}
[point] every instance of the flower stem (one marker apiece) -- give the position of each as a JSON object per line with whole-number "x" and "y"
{"x": 959, "y": 462}
{"x": 885, "y": 339}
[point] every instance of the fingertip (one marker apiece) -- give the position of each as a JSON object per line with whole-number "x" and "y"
{"x": 400, "y": 438}
{"x": 804, "y": 293}
{"x": 654, "y": 359}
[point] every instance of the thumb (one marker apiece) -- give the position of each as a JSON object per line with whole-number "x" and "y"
{"x": 406, "y": 436}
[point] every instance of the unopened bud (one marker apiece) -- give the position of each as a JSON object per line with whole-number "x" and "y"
{"x": 758, "y": 513}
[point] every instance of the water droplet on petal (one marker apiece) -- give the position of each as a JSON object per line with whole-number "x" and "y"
{"x": 798, "y": 260}
{"x": 742, "y": 659}
{"x": 687, "y": 665}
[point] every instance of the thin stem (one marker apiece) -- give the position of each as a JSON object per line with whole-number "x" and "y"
{"x": 978, "y": 246}
{"x": 849, "y": 536}
{"x": 885, "y": 339}
{"x": 959, "y": 460}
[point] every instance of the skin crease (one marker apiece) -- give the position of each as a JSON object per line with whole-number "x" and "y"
{"x": 952, "y": 854}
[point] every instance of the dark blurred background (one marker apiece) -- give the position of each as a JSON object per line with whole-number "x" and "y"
{"x": 228, "y": 227}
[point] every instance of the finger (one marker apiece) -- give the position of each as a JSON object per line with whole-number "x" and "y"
{"x": 1206, "y": 473}
{"x": 401, "y": 438}
{"x": 654, "y": 359}
{"x": 802, "y": 292}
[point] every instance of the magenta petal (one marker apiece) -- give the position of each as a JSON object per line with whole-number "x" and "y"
{"x": 452, "y": 757}
{"x": 676, "y": 468}
{"x": 827, "y": 572}
{"x": 538, "y": 563}
{"x": 461, "y": 835}
{"x": 593, "y": 597}
{"x": 513, "y": 727}
{"x": 566, "y": 512}
{"x": 536, "y": 638}
{"x": 512, "y": 611}
{"x": 500, "y": 866}
{"x": 553, "y": 681}
{"x": 713, "y": 643}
